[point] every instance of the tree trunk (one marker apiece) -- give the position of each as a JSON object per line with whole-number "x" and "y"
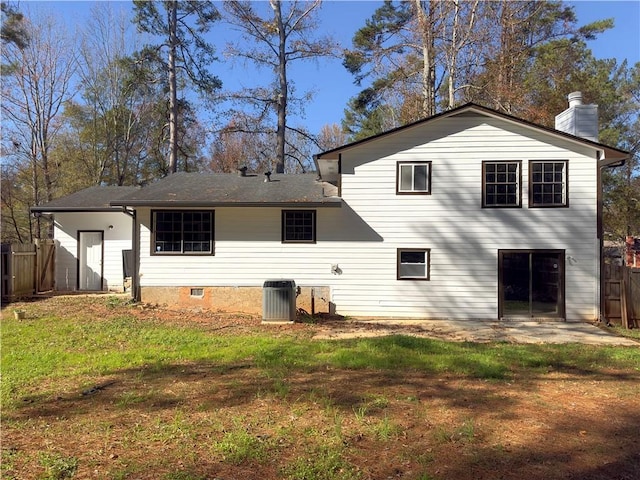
{"x": 454, "y": 54}
{"x": 504, "y": 61}
{"x": 462, "y": 31}
{"x": 425, "y": 23}
{"x": 173, "y": 95}
{"x": 33, "y": 154}
{"x": 281, "y": 101}
{"x": 46, "y": 173}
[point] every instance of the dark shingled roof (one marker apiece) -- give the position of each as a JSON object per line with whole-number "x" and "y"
{"x": 227, "y": 189}
{"x": 92, "y": 199}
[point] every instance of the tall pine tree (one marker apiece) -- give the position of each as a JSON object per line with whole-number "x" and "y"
{"x": 181, "y": 24}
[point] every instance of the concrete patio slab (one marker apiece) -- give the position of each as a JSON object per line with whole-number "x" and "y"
{"x": 478, "y": 331}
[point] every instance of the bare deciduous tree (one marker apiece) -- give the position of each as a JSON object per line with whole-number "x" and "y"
{"x": 331, "y": 136}
{"x": 273, "y": 41}
{"x": 237, "y": 146}
{"x": 33, "y": 98}
{"x": 116, "y": 106}
{"x": 458, "y": 35}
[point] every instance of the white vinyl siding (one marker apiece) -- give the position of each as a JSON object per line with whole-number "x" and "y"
{"x": 465, "y": 238}
{"x": 115, "y": 240}
{"x": 364, "y": 235}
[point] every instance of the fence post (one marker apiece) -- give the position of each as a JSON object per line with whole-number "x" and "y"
{"x": 632, "y": 279}
{"x": 6, "y": 270}
{"x": 623, "y": 299}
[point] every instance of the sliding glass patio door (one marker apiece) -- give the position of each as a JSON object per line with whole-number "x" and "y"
{"x": 531, "y": 284}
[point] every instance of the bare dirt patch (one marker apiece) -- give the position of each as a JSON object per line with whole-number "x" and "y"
{"x": 173, "y": 424}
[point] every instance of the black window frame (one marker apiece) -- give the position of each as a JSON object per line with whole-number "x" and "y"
{"x": 286, "y": 219}
{"x": 181, "y": 233}
{"x": 399, "y": 166}
{"x": 485, "y": 192}
{"x": 533, "y": 182}
{"x": 427, "y": 264}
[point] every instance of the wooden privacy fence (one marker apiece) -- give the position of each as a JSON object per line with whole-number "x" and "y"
{"x": 622, "y": 295}
{"x": 27, "y": 268}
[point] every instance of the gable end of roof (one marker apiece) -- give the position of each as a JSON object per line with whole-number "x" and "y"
{"x": 472, "y": 109}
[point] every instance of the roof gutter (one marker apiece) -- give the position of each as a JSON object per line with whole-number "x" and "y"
{"x": 611, "y": 162}
{"x": 72, "y": 209}
{"x": 335, "y": 203}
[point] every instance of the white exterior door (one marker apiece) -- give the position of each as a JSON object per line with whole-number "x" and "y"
{"x": 90, "y": 260}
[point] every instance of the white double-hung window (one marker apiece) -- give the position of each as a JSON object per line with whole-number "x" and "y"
{"x": 413, "y": 263}
{"x": 413, "y": 178}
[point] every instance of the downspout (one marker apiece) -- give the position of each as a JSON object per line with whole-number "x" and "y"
{"x": 135, "y": 245}
{"x": 600, "y": 233}
{"x": 340, "y": 175}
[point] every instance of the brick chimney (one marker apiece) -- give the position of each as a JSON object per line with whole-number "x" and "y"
{"x": 579, "y": 119}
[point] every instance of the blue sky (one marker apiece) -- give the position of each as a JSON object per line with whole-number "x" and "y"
{"x": 333, "y": 85}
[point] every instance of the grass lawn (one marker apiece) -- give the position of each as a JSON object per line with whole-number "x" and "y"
{"x": 95, "y": 388}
